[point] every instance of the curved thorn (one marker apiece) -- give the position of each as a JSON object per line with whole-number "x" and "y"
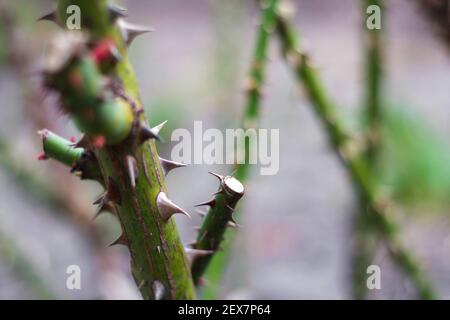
{"x": 218, "y": 176}
{"x": 168, "y": 165}
{"x": 122, "y": 240}
{"x": 51, "y": 16}
{"x": 116, "y": 12}
{"x": 194, "y": 253}
{"x": 147, "y": 133}
{"x": 167, "y": 208}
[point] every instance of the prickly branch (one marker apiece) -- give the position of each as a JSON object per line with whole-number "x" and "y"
{"x": 380, "y": 209}
{"x": 91, "y": 74}
{"x": 216, "y": 222}
{"x": 255, "y": 82}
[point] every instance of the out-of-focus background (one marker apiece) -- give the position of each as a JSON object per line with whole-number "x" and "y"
{"x": 296, "y": 236}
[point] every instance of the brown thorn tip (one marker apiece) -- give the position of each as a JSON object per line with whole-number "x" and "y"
{"x": 168, "y": 165}
{"x": 49, "y": 17}
{"x": 210, "y": 203}
{"x": 122, "y": 240}
{"x": 167, "y": 208}
{"x": 218, "y": 176}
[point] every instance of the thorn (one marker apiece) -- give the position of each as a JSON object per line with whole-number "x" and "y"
{"x": 218, "y": 176}
{"x": 168, "y": 165}
{"x": 194, "y": 253}
{"x": 49, "y": 17}
{"x": 196, "y": 228}
{"x": 116, "y": 12}
{"x": 159, "y": 127}
{"x": 146, "y": 133}
{"x": 167, "y": 208}
{"x": 210, "y": 203}
{"x": 232, "y": 224}
{"x": 132, "y": 170}
{"x": 122, "y": 240}
{"x": 158, "y": 289}
{"x": 42, "y": 156}
{"x": 131, "y": 31}
{"x": 82, "y": 143}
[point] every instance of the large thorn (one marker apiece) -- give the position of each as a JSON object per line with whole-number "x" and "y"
{"x": 146, "y": 133}
{"x": 131, "y": 31}
{"x": 218, "y": 176}
{"x": 168, "y": 165}
{"x": 167, "y": 208}
{"x": 122, "y": 240}
{"x": 158, "y": 289}
{"x": 195, "y": 253}
{"x": 159, "y": 127}
{"x": 210, "y": 203}
{"x": 52, "y": 16}
{"x": 132, "y": 170}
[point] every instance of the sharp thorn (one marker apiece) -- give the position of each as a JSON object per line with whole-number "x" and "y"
{"x": 132, "y": 170}
{"x": 232, "y": 224}
{"x": 210, "y": 203}
{"x": 131, "y": 31}
{"x": 49, "y": 17}
{"x": 122, "y": 240}
{"x": 146, "y": 133}
{"x": 159, "y": 127}
{"x": 167, "y": 208}
{"x": 83, "y": 143}
{"x": 168, "y": 165}
{"x": 218, "y": 176}
{"x": 194, "y": 253}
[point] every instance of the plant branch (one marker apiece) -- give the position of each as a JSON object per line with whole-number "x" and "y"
{"x": 380, "y": 209}
{"x": 255, "y": 81}
{"x": 117, "y": 133}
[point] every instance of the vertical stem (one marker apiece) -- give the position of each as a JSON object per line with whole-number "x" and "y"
{"x": 159, "y": 263}
{"x": 255, "y": 81}
{"x": 355, "y": 163}
{"x": 364, "y": 239}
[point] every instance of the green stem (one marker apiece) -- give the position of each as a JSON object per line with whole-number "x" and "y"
{"x": 365, "y": 242}
{"x": 359, "y": 171}
{"x": 255, "y": 81}
{"x": 217, "y": 220}
{"x": 130, "y": 167}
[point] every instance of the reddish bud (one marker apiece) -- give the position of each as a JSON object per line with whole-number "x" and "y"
{"x": 105, "y": 51}
{"x": 42, "y": 156}
{"x": 99, "y": 142}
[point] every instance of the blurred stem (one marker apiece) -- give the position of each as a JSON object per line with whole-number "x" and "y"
{"x": 365, "y": 242}
{"x": 24, "y": 269}
{"x": 380, "y": 209}
{"x": 255, "y": 82}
